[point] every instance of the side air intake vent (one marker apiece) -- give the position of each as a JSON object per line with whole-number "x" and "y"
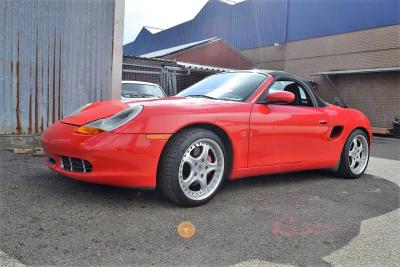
{"x": 336, "y": 131}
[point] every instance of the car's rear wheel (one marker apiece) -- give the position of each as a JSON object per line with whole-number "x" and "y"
{"x": 355, "y": 155}
{"x": 193, "y": 167}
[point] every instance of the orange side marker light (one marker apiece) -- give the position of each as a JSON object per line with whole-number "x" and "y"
{"x": 158, "y": 136}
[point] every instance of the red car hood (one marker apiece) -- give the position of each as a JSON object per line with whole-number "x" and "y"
{"x": 100, "y": 110}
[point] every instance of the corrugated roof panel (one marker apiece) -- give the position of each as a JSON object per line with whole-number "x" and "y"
{"x": 174, "y": 49}
{"x": 310, "y": 19}
{"x": 257, "y": 23}
{"x": 243, "y": 25}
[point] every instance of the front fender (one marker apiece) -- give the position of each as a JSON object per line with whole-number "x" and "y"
{"x": 233, "y": 120}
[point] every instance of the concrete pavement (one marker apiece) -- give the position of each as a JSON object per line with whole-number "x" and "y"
{"x": 298, "y": 219}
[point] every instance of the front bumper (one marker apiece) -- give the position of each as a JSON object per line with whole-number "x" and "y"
{"x": 128, "y": 160}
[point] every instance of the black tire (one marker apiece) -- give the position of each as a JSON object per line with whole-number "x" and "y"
{"x": 344, "y": 169}
{"x": 168, "y": 171}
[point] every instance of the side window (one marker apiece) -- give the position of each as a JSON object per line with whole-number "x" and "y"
{"x": 301, "y": 96}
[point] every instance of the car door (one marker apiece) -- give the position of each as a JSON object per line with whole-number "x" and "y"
{"x": 287, "y": 134}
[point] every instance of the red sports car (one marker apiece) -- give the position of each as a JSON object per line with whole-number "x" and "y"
{"x": 227, "y": 126}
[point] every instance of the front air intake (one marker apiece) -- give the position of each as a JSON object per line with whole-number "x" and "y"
{"x": 75, "y": 164}
{"x": 51, "y": 161}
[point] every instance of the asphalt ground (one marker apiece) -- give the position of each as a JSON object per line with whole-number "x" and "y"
{"x": 302, "y": 219}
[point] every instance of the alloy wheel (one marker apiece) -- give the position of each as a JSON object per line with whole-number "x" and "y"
{"x": 201, "y": 169}
{"x": 358, "y": 154}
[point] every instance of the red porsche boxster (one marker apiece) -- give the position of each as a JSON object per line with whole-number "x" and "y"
{"x": 227, "y": 126}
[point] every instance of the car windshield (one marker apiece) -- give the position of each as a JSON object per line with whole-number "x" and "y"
{"x": 227, "y": 86}
{"x": 136, "y": 90}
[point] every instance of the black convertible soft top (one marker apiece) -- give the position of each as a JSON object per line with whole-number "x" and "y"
{"x": 282, "y": 75}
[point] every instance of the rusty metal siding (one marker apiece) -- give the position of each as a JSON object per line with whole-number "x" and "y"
{"x": 55, "y": 55}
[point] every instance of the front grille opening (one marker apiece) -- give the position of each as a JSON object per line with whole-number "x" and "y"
{"x": 75, "y": 164}
{"x": 51, "y": 161}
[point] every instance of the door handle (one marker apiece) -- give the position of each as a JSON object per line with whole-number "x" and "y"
{"x": 323, "y": 122}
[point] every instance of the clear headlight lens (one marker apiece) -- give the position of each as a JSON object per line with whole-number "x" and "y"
{"x": 80, "y": 109}
{"x": 119, "y": 119}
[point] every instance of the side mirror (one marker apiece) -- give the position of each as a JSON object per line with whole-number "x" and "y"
{"x": 280, "y": 97}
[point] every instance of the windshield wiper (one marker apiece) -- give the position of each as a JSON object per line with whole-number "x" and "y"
{"x": 204, "y": 96}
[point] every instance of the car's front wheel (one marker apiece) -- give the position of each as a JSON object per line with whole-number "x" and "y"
{"x": 193, "y": 167}
{"x": 355, "y": 155}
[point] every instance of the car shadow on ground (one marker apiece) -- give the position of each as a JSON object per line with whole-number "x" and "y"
{"x": 295, "y": 218}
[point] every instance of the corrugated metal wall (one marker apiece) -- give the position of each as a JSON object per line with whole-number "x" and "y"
{"x": 258, "y": 23}
{"x": 248, "y": 24}
{"x": 55, "y": 56}
{"x": 310, "y": 18}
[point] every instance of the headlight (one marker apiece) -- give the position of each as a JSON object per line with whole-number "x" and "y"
{"x": 111, "y": 123}
{"x": 79, "y": 109}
